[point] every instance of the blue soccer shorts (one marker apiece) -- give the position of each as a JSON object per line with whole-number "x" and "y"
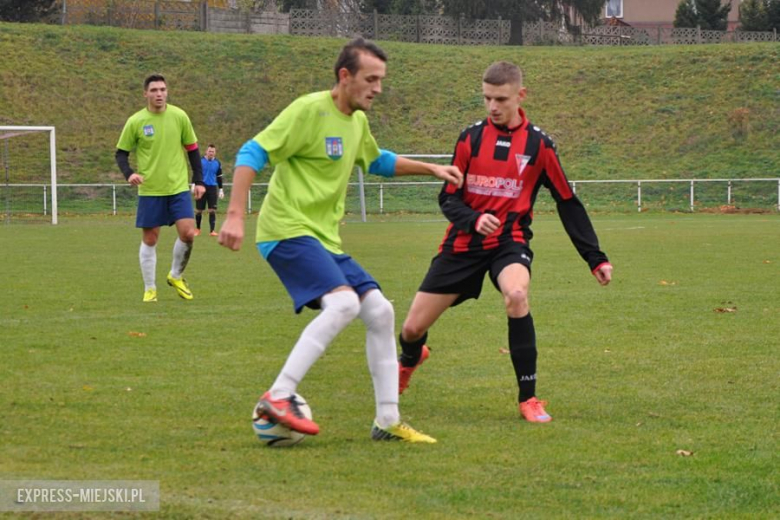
{"x": 309, "y": 271}
{"x": 163, "y": 210}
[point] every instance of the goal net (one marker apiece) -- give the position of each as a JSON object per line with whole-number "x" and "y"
{"x": 28, "y": 174}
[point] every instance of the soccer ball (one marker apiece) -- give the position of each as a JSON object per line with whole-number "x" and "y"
{"x": 276, "y": 435}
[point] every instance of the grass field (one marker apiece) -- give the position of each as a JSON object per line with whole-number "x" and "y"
{"x": 679, "y": 353}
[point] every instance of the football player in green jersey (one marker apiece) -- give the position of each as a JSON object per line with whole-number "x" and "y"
{"x": 314, "y": 144}
{"x": 160, "y": 134}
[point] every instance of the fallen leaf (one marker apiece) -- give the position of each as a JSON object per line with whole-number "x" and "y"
{"x": 684, "y": 453}
{"x": 767, "y": 261}
{"x": 607, "y": 351}
{"x": 503, "y": 351}
{"x": 128, "y": 389}
{"x": 137, "y": 334}
{"x": 723, "y": 310}
{"x": 87, "y": 388}
{"x": 639, "y": 423}
{"x": 664, "y": 282}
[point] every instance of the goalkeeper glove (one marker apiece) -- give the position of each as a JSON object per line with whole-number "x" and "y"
{"x": 221, "y": 194}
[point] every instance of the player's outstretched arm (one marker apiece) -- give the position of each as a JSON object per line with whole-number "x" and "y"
{"x": 231, "y": 235}
{"x": 451, "y": 174}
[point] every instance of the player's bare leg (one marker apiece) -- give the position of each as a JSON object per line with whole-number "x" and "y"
{"x": 425, "y": 310}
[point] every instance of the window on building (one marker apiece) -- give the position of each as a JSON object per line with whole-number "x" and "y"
{"x": 614, "y": 9}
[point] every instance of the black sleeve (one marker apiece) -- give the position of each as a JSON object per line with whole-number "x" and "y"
{"x": 458, "y": 212}
{"x": 197, "y": 168}
{"x": 123, "y": 161}
{"x": 219, "y": 174}
{"x": 580, "y": 230}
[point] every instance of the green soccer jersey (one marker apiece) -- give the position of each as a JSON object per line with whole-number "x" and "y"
{"x": 313, "y": 147}
{"x": 158, "y": 139}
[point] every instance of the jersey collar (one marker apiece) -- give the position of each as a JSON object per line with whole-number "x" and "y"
{"x": 506, "y": 130}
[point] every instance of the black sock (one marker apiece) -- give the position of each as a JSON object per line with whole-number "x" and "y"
{"x": 198, "y": 217}
{"x": 212, "y": 221}
{"x": 411, "y": 350}
{"x": 522, "y": 347}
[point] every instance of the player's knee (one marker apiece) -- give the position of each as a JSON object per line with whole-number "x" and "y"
{"x": 343, "y": 305}
{"x": 188, "y": 236}
{"x": 412, "y": 331}
{"x": 377, "y": 312}
{"x": 213, "y": 211}
{"x": 516, "y": 302}
{"x": 150, "y": 239}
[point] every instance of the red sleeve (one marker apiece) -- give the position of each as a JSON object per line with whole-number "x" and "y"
{"x": 552, "y": 165}
{"x": 460, "y": 158}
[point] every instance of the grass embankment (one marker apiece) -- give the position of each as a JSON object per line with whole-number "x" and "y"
{"x": 654, "y": 112}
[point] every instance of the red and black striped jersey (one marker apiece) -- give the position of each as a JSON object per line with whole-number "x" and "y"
{"x": 503, "y": 171}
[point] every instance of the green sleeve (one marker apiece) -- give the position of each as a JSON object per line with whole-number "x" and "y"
{"x": 369, "y": 150}
{"x": 128, "y": 139}
{"x": 188, "y": 136}
{"x": 287, "y": 134}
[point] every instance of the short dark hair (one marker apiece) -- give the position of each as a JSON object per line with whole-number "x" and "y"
{"x": 211, "y": 146}
{"x": 152, "y": 78}
{"x": 502, "y": 73}
{"x": 350, "y": 55}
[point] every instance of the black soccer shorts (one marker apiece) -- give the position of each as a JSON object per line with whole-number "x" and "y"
{"x": 210, "y": 198}
{"x": 464, "y": 273}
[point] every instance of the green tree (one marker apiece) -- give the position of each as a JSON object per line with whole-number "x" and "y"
{"x": 27, "y": 10}
{"x": 553, "y": 10}
{"x": 753, "y": 15}
{"x": 713, "y": 14}
{"x": 286, "y": 5}
{"x": 518, "y": 11}
{"x": 400, "y": 6}
{"x": 773, "y": 15}
{"x": 686, "y": 16}
{"x": 707, "y": 14}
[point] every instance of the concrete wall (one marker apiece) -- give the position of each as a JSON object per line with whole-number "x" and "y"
{"x": 236, "y": 21}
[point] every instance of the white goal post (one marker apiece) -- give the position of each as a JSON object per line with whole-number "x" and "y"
{"x": 7, "y": 132}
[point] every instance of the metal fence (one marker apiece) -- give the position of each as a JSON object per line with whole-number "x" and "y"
{"x": 32, "y": 202}
{"x": 137, "y": 14}
{"x": 222, "y": 16}
{"x": 406, "y": 28}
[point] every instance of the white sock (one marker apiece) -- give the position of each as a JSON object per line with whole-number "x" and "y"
{"x": 377, "y": 313}
{"x": 181, "y": 255}
{"x": 338, "y": 310}
{"x": 148, "y": 258}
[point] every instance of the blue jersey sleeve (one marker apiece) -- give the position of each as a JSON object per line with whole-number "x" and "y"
{"x": 384, "y": 165}
{"x": 252, "y": 155}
